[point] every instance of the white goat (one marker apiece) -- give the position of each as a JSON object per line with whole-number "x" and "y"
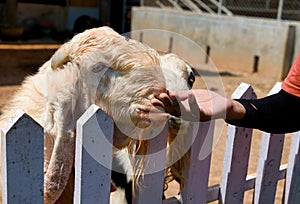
{"x": 100, "y": 67}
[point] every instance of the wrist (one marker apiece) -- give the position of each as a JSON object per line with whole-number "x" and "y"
{"x": 235, "y": 111}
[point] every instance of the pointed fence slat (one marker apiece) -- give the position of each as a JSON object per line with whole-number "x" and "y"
{"x": 292, "y": 186}
{"x": 93, "y": 157}
{"x": 22, "y": 161}
{"x": 196, "y": 175}
{"x": 151, "y": 189}
{"x": 267, "y": 172}
{"x": 236, "y": 155}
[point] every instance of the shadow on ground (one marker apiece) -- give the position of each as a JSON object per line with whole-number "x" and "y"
{"x": 16, "y": 64}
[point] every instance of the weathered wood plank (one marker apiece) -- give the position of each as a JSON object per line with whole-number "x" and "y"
{"x": 268, "y": 164}
{"x": 196, "y": 175}
{"x": 93, "y": 157}
{"x": 151, "y": 189}
{"x": 292, "y": 186}
{"x": 236, "y": 155}
{"x": 22, "y": 161}
{"x": 268, "y": 168}
{"x": 213, "y": 191}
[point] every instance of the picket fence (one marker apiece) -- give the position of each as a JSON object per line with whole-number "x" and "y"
{"x": 22, "y": 163}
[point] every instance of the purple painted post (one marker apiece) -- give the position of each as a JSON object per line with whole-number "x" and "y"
{"x": 267, "y": 173}
{"x": 197, "y": 173}
{"x": 22, "y": 161}
{"x": 151, "y": 189}
{"x": 236, "y": 155}
{"x": 292, "y": 185}
{"x": 93, "y": 157}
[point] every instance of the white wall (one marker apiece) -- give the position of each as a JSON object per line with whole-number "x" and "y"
{"x": 233, "y": 41}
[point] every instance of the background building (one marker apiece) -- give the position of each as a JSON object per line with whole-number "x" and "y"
{"x": 55, "y": 19}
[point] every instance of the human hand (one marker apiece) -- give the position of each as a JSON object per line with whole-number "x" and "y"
{"x": 196, "y": 105}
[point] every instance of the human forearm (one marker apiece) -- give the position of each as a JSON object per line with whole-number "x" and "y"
{"x": 274, "y": 113}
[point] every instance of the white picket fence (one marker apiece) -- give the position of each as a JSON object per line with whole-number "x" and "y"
{"x": 22, "y": 163}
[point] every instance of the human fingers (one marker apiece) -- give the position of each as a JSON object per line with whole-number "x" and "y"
{"x": 171, "y": 104}
{"x": 160, "y": 99}
{"x": 176, "y": 104}
{"x": 157, "y": 102}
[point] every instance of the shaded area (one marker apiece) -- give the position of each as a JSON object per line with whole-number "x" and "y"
{"x": 205, "y": 72}
{"x": 50, "y": 2}
{"x": 15, "y": 65}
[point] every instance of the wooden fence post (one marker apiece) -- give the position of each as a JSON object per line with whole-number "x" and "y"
{"x": 93, "y": 157}
{"x": 22, "y": 161}
{"x": 197, "y": 173}
{"x": 267, "y": 172}
{"x": 292, "y": 186}
{"x": 151, "y": 189}
{"x": 236, "y": 155}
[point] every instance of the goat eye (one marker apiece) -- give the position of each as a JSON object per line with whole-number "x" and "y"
{"x": 97, "y": 69}
{"x": 100, "y": 67}
{"x": 191, "y": 79}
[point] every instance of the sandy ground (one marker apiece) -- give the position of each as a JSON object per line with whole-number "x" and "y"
{"x": 16, "y": 64}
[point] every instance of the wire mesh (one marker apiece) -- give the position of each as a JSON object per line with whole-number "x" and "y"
{"x": 275, "y": 9}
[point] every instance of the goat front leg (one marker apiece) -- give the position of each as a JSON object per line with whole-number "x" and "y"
{"x": 60, "y": 166}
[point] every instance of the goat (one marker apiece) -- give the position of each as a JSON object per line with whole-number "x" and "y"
{"x": 97, "y": 66}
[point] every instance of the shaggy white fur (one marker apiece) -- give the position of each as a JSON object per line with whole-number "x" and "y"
{"x": 100, "y": 67}
{"x": 178, "y": 76}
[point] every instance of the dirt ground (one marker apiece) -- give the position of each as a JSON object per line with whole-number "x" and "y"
{"x": 15, "y": 64}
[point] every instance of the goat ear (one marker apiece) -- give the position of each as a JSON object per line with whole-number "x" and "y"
{"x": 61, "y": 56}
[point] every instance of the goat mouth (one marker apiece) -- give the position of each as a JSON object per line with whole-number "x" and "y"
{"x": 144, "y": 116}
